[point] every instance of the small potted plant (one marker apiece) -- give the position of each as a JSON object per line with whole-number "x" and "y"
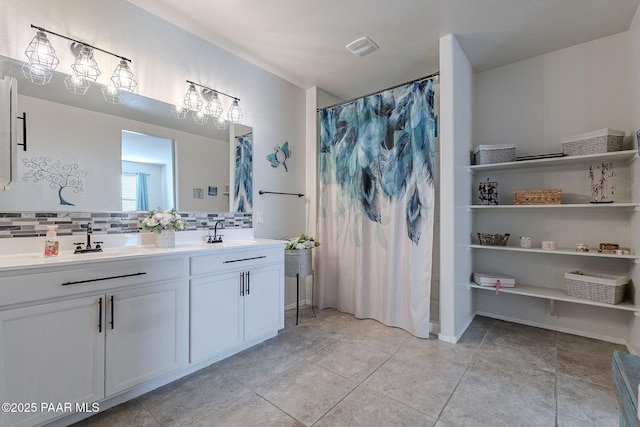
{"x": 164, "y": 223}
{"x": 297, "y": 255}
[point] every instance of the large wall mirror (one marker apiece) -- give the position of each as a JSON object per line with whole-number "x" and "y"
{"x": 87, "y": 155}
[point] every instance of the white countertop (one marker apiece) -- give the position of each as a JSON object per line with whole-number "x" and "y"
{"x": 67, "y": 257}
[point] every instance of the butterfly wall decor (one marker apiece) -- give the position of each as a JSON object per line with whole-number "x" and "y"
{"x": 280, "y": 156}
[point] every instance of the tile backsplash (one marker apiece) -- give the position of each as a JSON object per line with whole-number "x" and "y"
{"x": 34, "y": 224}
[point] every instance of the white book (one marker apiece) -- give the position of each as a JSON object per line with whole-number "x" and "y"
{"x": 491, "y": 279}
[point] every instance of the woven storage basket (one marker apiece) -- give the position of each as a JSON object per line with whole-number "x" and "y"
{"x": 537, "y": 197}
{"x": 604, "y": 288}
{"x": 598, "y": 141}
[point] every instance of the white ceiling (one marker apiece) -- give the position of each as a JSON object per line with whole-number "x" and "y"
{"x": 303, "y": 41}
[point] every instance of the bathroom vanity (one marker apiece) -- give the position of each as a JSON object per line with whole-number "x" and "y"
{"x": 106, "y": 327}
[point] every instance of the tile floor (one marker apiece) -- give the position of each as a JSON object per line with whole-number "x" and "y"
{"x": 335, "y": 370}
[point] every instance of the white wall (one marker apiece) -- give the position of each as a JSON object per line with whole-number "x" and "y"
{"x": 533, "y": 104}
{"x": 456, "y": 99}
{"x": 634, "y": 125}
{"x": 163, "y": 57}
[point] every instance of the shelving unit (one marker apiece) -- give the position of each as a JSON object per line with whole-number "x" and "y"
{"x": 566, "y": 251}
{"x": 555, "y": 294}
{"x": 579, "y": 210}
{"x": 626, "y": 156}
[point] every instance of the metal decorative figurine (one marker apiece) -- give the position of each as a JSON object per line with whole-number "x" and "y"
{"x": 488, "y": 193}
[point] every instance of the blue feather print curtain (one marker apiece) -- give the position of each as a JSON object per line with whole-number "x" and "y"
{"x": 243, "y": 189}
{"x": 376, "y": 207}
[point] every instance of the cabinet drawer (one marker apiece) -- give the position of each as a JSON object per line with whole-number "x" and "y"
{"x": 204, "y": 264}
{"x": 48, "y": 283}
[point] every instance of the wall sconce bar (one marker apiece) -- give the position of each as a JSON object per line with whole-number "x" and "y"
{"x": 79, "y": 42}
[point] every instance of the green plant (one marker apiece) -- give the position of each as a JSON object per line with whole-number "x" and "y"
{"x": 302, "y": 242}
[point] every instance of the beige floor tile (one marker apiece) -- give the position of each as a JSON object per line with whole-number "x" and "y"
{"x": 592, "y": 367}
{"x": 130, "y": 413}
{"x": 515, "y": 378}
{"x": 587, "y": 402}
{"x": 248, "y": 410}
{"x": 423, "y": 349}
{"x": 376, "y": 335}
{"x": 351, "y": 360}
{"x": 424, "y": 384}
{"x": 306, "y": 392}
{"x": 539, "y": 357}
{"x": 568, "y": 421}
{"x": 186, "y": 399}
{"x": 472, "y": 405}
{"x": 366, "y": 408}
{"x": 304, "y": 340}
{"x": 587, "y": 345}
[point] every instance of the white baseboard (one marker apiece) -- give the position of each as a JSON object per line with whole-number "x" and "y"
{"x": 302, "y": 304}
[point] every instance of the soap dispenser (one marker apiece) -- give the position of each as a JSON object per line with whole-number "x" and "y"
{"x": 51, "y": 244}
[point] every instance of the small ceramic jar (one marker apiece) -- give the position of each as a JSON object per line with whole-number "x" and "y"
{"x": 525, "y": 242}
{"x": 548, "y": 245}
{"x": 582, "y": 247}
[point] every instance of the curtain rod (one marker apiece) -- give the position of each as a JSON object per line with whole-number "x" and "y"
{"x": 419, "y": 79}
{"x": 261, "y": 192}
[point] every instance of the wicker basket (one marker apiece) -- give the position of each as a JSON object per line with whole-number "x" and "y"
{"x": 493, "y": 239}
{"x": 537, "y": 197}
{"x": 599, "y": 141}
{"x": 604, "y": 288}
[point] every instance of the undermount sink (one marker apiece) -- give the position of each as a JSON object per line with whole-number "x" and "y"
{"x": 232, "y": 243}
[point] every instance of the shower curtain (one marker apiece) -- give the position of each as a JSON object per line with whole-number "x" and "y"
{"x": 376, "y": 207}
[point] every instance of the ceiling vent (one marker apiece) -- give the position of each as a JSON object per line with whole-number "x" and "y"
{"x": 363, "y": 46}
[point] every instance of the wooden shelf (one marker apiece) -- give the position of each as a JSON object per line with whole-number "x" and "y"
{"x": 557, "y": 295}
{"x": 571, "y": 252}
{"x": 625, "y": 156}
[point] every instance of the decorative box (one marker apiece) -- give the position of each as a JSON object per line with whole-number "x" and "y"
{"x": 491, "y": 279}
{"x": 595, "y": 142}
{"x": 537, "y": 197}
{"x": 498, "y": 153}
{"x": 604, "y": 288}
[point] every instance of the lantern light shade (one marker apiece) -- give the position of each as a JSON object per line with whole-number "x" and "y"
{"x": 77, "y": 85}
{"x": 41, "y": 53}
{"x": 85, "y": 66}
{"x": 221, "y": 123}
{"x": 192, "y": 100}
{"x": 122, "y": 77}
{"x": 112, "y": 94}
{"x": 235, "y": 114}
{"x": 214, "y": 106}
{"x": 200, "y": 117}
{"x": 178, "y": 111}
{"x": 36, "y": 73}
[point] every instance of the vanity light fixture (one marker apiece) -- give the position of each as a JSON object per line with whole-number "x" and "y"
{"x": 42, "y": 60}
{"x": 235, "y": 114}
{"x": 85, "y": 66}
{"x": 194, "y": 102}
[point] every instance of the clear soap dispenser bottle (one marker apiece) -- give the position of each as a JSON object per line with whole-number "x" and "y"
{"x": 51, "y": 244}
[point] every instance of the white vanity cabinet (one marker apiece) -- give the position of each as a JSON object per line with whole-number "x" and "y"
{"x": 237, "y": 300}
{"x": 51, "y": 352}
{"x": 86, "y": 334}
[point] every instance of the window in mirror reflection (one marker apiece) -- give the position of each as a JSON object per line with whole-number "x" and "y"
{"x": 147, "y": 172}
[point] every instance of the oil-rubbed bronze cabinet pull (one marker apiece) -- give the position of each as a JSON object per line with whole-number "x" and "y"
{"x": 242, "y": 284}
{"x": 104, "y": 278}
{"x": 248, "y": 282}
{"x": 244, "y": 259}
{"x": 100, "y": 315}
{"x": 111, "y": 311}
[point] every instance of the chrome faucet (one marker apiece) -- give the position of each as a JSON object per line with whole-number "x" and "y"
{"x": 88, "y": 248}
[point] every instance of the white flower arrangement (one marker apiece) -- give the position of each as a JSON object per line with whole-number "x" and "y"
{"x": 159, "y": 220}
{"x": 302, "y": 242}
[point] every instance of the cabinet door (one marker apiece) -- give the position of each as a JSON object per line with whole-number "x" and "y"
{"x": 147, "y": 332}
{"x": 216, "y": 314}
{"x": 51, "y": 353}
{"x": 264, "y": 301}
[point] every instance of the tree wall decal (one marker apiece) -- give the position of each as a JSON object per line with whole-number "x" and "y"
{"x": 59, "y": 176}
